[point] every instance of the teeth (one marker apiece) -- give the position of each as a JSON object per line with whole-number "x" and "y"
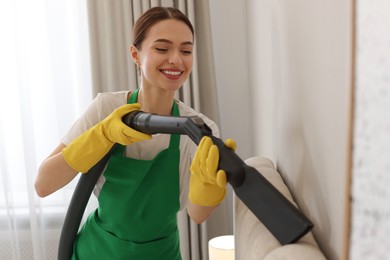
{"x": 174, "y": 73}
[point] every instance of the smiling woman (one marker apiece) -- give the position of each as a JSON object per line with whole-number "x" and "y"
{"x": 113, "y": 70}
{"x": 148, "y": 179}
{"x": 44, "y": 72}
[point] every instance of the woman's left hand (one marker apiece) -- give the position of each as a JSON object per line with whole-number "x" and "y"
{"x": 208, "y": 183}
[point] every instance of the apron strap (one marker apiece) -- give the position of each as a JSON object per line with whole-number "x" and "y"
{"x": 133, "y": 97}
{"x": 175, "y": 138}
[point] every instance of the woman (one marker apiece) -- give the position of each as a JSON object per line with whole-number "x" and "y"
{"x": 146, "y": 181}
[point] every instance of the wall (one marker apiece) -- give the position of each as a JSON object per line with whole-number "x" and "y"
{"x": 371, "y": 164}
{"x": 291, "y": 62}
{"x": 300, "y": 71}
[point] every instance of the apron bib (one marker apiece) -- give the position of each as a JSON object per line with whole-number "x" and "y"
{"x": 138, "y": 203}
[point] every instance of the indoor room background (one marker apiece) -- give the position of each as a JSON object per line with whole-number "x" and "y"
{"x": 304, "y": 83}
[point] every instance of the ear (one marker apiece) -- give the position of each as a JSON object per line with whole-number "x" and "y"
{"x": 134, "y": 54}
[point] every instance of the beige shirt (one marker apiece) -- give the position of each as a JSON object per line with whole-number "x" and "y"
{"x": 105, "y": 103}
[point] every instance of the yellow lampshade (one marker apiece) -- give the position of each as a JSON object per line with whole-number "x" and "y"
{"x": 221, "y": 248}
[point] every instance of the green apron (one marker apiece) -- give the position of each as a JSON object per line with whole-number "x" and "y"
{"x": 138, "y": 203}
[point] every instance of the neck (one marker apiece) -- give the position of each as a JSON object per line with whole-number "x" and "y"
{"x": 156, "y": 101}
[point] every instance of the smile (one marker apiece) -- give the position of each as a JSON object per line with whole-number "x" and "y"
{"x": 172, "y": 72}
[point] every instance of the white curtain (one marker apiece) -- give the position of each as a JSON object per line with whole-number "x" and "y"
{"x": 45, "y": 85}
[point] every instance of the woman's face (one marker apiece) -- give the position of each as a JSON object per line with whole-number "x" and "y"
{"x": 166, "y": 55}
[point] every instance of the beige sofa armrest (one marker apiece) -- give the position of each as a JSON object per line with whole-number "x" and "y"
{"x": 252, "y": 238}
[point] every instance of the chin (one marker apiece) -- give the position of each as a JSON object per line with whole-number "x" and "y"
{"x": 173, "y": 87}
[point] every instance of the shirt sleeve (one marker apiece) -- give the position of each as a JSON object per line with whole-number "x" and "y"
{"x": 100, "y": 108}
{"x": 89, "y": 118}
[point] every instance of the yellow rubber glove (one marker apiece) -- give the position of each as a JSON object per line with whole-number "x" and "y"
{"x": 91, "y": 146}
{"x": 207, "y": 183}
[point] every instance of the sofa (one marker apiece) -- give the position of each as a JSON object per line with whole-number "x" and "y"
{"x": 252, "y": 238}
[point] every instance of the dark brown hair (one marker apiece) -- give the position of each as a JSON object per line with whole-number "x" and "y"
{"x": 153, "y": 16}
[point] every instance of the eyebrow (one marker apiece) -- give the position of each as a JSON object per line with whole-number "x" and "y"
{"x": 170, "y": 42}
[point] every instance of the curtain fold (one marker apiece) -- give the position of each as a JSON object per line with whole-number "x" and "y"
{"x": 110, "y": 24}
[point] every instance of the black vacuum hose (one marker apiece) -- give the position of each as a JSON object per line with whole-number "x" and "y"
{"x": 276, "y": 212}
{"x": 78, "y": 203}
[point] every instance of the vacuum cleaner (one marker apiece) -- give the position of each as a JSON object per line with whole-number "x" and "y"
{"x": 278, "y": 214}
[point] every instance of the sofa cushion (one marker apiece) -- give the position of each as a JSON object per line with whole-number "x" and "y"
{"x": 252, "y": 238}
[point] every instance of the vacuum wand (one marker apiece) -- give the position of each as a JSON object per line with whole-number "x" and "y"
{"x": 276, "y": 212}
{"x": 148, "y": 123}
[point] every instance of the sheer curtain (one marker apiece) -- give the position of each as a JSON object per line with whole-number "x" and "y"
{"x": 45, "y": 85}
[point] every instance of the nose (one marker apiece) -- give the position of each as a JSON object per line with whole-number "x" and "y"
{"x": 175, "y": 58}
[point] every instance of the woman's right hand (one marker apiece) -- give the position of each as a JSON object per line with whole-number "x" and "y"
{"x": 87, "y": 149}
{"x": 65, "y": 162}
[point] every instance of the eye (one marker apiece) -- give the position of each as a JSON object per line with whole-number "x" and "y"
{"x": 161, "y": 49}
{"x": 186, "y": 52}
